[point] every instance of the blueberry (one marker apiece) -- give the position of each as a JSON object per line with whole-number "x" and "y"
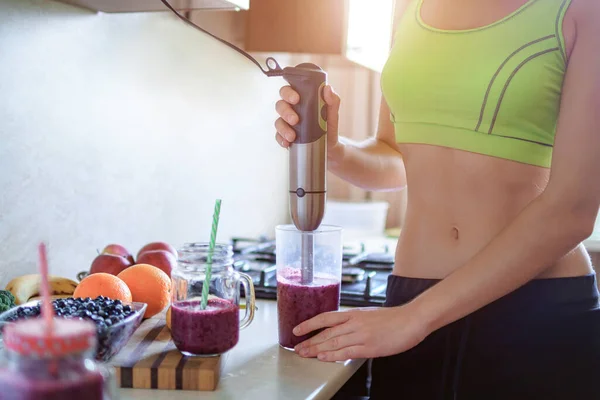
{"x": 70, "y": 302}
{"x": 90, "y": 307}
{"x": 119, "y": 308}
{"x": 87, "y": 299}
{"x": 127, "y": 308}
{"x": 108, "y": 322}
{"x": 117, "y": 302}
{"x": 101, "y": 313}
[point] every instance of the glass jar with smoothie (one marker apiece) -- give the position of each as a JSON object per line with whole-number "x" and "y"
{"x": 309, "y": 274}
{"x": 215, "y": 329}
{"x": 37, "y": 365}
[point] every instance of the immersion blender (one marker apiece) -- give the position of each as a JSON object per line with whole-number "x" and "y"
{"x": 308, "y": 153}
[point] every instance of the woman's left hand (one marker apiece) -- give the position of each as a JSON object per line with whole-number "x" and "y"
{"x": 361, "y": 333}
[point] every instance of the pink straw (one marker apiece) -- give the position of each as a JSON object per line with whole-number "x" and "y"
{"x": 47, "y": 310}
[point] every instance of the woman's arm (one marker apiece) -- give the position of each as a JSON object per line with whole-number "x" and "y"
{"x": 375, "y": 163}
{"x": 559, "y": 219}
{"x": 372, "y": 164}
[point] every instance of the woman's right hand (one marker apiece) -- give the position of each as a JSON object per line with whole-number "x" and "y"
{"x": 287, "y": 117}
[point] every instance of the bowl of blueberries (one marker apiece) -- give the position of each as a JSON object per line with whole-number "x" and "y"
{"x": 115, "y": 321}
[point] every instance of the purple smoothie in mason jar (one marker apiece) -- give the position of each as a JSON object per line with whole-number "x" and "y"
{"x": 216, "y": 329}
{"x": 56, "y": 365}
{"x": 211, "y": 331}
{"x": 87, "y": 385}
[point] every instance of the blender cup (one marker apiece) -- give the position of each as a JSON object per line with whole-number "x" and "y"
{"x": 302, "y": 295}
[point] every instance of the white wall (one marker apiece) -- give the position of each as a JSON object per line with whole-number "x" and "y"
{"x": 124, "y": 128}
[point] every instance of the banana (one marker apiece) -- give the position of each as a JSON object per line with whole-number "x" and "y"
{"x": 53, "y": 297}
{"x": 27, "y": 286}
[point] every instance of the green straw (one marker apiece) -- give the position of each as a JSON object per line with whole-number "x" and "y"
{"x": 211, "y": 248}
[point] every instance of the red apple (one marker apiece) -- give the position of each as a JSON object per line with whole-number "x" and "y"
{"x": 109, "y": 263}
{"x": 160, "y": 259}
{"x": 118, "y": 250}
{"x": 156, "y": 246}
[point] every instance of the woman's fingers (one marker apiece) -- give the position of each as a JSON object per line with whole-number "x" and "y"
{"x": 343, "y": 354}
{"x": 285, "y": 130}
{"x": 326, "y": 335}
{"x": 324, "y": 320}
{"x": 333, "y": 344}
{"x": 282, "y": 142}
{"x": 285, "y": 111}
{"x": 290, "y": 95}
{"x": 333, "y": 108}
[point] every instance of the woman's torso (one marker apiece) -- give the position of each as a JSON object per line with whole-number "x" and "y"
{"x": 458, "y": 201}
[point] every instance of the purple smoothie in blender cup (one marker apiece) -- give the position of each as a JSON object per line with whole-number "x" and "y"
{"x": 297, "y": 303}
{"x": 309, "y": 269}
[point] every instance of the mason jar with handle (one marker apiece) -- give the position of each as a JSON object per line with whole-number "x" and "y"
{"x": 215, "y": 329}
{"x": 57, "y": 364}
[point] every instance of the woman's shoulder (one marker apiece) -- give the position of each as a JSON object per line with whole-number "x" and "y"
{"x": 582, "y": 22}
{"x": 585, "y": 12}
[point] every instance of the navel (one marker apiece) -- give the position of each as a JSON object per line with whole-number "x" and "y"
{"x": 455, "y": 233}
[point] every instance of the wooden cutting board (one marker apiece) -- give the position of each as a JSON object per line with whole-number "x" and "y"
{"x": 150, "y": 360}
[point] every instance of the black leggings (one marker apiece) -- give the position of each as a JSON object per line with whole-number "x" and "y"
{"x": 541, "y": 341}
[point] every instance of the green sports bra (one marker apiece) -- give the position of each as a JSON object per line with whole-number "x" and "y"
{"x": 493, "y": 90}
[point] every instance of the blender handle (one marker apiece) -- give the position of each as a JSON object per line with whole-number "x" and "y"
{"x": 246, "y": 281}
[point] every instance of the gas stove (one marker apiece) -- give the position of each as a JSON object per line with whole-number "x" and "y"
{"x": 365, "y": 268}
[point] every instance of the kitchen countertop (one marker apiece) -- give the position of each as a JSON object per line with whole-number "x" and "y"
{"x": 257, "y": 368}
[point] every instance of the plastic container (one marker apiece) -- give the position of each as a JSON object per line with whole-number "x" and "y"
{"x": 358, "y": 219}
{"x": 301, "y": 296}
{"x": 214, "y": 330}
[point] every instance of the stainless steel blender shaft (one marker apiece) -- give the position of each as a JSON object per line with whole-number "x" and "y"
{"x": 306, "y": 258}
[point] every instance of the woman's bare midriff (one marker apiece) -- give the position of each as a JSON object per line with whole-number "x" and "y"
{"x": 458, "y": 202}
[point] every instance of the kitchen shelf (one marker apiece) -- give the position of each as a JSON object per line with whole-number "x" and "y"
{"x": 120, "y": 6}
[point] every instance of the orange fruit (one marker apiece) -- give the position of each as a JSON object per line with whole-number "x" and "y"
{"x": 102, "y": 284}
{"x": 149, "y": 285}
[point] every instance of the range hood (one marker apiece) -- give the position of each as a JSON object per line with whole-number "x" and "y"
{"x": 115, "y": 6}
